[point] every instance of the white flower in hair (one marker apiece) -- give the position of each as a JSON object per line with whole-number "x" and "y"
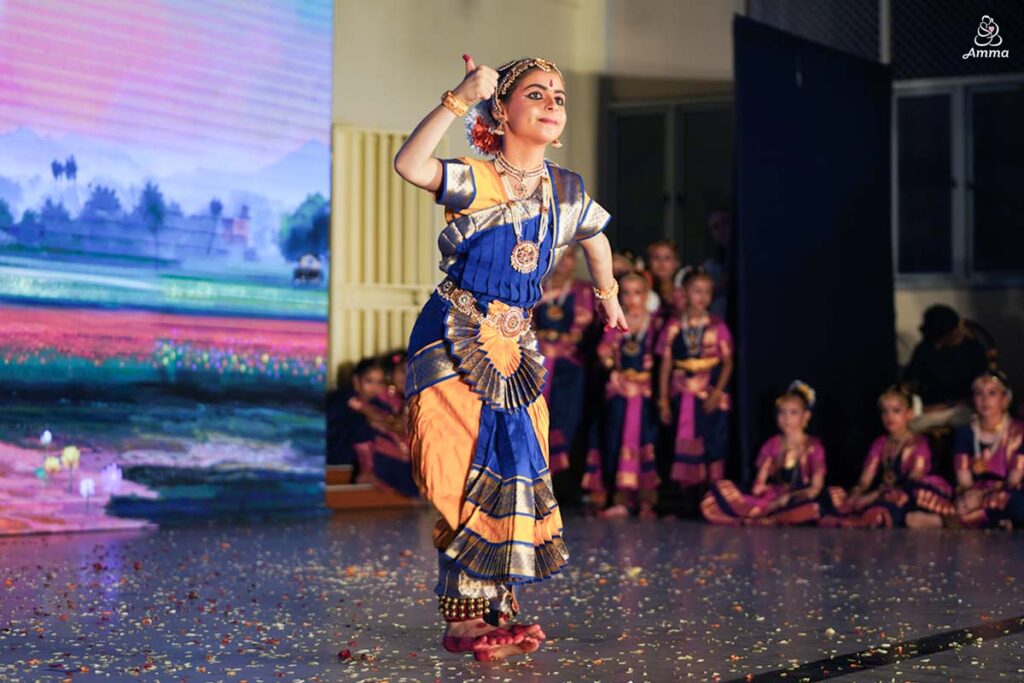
{"x": 805, "y": 390}
{"x": 916, "y": 405}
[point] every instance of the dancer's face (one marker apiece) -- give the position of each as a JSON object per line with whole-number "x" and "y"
{"x": 633, "y": 295}
{"x": 536, "y": 108}
{"x": 991, "y": 400}
{"x": 370, "y": 384}
{"x": 663, "y": 262}
{"x": 699, "y": 291}
{"x": 791, "y": 416}
{"x": 398, "y": 376}
{"x": 896, "y": 415}
{"x": 621, "y": 265}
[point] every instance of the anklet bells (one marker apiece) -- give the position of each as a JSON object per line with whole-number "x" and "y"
{"x": 461, "y": 609}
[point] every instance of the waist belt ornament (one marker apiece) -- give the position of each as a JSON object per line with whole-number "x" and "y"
{"x": 496, "y": 353}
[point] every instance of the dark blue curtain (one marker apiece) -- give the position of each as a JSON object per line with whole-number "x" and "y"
{"x": 813, "y": 253}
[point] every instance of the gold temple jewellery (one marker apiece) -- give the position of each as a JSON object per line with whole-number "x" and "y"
{"x": 505, "y": 168}
{"x": 454, "y": 104}
{"x": 608, "y": 292}
{"x": 526, "y": 254}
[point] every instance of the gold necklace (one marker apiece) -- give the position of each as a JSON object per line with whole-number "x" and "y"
{"x": 505, "y": 168}
{"x": 526, "y": 254}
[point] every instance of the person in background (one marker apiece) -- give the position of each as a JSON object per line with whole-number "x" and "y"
{"x": 719, "y": 263}
{"x": 349, "y": 434}
{"x": 662, "y": 264}
{"x": 621, "y": 456}
{"x": 564, "y": 313}
{"x": 942, "y": 368}
{"x": 988, "y": 461}
{"x": 896, "y": 475}
{"x": 388, "y": 415}
{"x": 696, "y": 352}
{"x": 790, "y": 473}
{"x": 623, "y": 261}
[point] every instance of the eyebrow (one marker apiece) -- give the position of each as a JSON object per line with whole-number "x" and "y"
{"x": 543, "y": 87}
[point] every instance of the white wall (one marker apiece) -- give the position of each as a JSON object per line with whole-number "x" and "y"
{"x": 394, "y": 58}
{"x": 671, "y": 39}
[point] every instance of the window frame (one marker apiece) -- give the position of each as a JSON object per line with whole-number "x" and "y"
{"x": 962, "y": 274}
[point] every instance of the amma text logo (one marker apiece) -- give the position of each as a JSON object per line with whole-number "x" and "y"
{"x": 987, "y": 41}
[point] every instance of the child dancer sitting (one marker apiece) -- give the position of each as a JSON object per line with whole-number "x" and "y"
{"x": 696, "y": 364}
{"x": 895, "y": 478}
{"x": 988, "y": 460}
{"x": 389, "y": 416}
{"x": 790, "y": 472}
{"x": 349, "y": 434}
{"x": 622, "y": 455}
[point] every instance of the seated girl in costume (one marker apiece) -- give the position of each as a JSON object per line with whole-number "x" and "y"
{"x": 988, "y": 460}
{"x": 790, "y": 473}
{"x": 349, "y": 434}
{"x": 389, "y": 417}
{"x": 564, "y": 313}
{"x": 696, "y": 364}
{"x": 896, "y": 475}
{"x": 621, "y": 458}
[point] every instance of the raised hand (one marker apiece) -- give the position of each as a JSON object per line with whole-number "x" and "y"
{"x": 479, "y": 83}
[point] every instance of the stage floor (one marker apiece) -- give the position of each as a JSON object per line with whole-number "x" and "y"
{"x": 663, "y": 601}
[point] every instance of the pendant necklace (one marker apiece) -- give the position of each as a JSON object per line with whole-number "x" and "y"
{"x": 556, "y": 309}
{"x": 631, "y": 346}
{"x": 526, "y": 254}
{"x": 693, "y": 337}
{"x": 982, "y": 455}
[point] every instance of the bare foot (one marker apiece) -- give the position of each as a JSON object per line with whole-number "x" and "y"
{"x": 647, "y": 512}
{"x": 615, "y": 512}
{"x": 923, "y": 520}
{"x": 494, "y": 653}
{"x": 533, "y": 631}
{"x": 464, "y": 636}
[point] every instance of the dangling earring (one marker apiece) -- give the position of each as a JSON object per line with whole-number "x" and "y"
{"x": 556, "y": 143}
{"x": 498, "y": 114}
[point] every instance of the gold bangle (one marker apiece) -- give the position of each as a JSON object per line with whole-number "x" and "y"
{"x": 454, "y": 104}
{"x": 608, "y": 293}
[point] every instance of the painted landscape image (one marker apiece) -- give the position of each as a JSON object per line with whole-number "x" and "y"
{"x": 164, "y": 216}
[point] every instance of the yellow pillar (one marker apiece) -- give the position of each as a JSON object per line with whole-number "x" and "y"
{"x": 383, "y": 247}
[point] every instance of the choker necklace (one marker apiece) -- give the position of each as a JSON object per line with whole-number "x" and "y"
{"x": 631, "y": 343}
{"x": 505, "y": 168}
{"x": 526, "y": 254}
{"x": 983, "y": 455}
{"x": 693, "y": 337}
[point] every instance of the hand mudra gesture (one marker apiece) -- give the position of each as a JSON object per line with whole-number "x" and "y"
{"x": 479, "y": 83}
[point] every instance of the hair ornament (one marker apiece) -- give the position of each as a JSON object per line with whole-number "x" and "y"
{"x": 912, "y": 400}
{"x": 997, "y": 377}
{"x": 804, "y": 389}
{"x": 916, "y": 405}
